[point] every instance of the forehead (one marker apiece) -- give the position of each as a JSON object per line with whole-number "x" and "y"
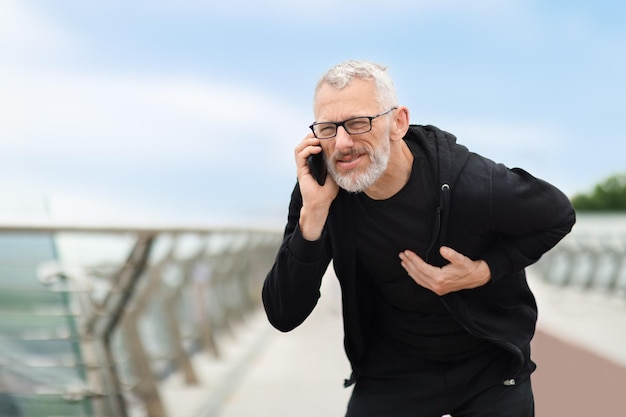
{"x": 356, "y": 99}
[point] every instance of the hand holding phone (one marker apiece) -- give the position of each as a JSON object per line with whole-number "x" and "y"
{"x": 317, "y": 165}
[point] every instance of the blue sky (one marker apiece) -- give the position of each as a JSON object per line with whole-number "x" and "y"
{"x": 189, "y": 110}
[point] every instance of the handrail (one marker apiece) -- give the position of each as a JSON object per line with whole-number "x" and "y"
{"x": 115, "y": 228}
{"x": 592, "y": 256}
{"x": 117, "y": 332}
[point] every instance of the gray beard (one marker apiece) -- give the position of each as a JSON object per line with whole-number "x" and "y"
{"x": 354, "y": 182}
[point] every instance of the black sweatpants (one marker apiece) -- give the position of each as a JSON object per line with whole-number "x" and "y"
{"x": 469, "y": 388}
{"x": 496, "y": 401}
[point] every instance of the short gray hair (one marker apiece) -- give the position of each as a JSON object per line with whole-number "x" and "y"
{"x": 342, "y": 74}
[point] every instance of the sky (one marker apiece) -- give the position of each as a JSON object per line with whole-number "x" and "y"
{"x": 188, "y": 111}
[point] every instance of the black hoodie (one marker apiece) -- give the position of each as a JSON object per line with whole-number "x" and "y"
{"x": 486, "y": 211}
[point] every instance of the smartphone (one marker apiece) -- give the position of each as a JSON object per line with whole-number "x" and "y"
{"x": 317, "y": 165}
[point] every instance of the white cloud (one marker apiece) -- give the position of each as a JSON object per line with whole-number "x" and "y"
{"x": 514, "y": 137}
{"x": 105, "y": 145}
{"x": 84, "y": 137}
{"x": 23, "y": 30}
{"x": 120, "y": 116}
{"x": 534, "y": 147}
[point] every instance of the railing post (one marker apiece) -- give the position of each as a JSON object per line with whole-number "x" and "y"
{"x": 115, "y": 306}
{"x": 179, "y": 351}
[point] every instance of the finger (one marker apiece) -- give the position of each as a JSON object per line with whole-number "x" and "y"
{"x": 451, "y": 255}
{"x": 411, "y": 257}
{"x": 307, "y": 147}
{"x": 308, "y": 142}
{"x": 420, "y": 271}
{"x": 416, "y": 266}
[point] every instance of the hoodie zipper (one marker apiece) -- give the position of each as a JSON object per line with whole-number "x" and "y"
{"x": 444, "y": 201}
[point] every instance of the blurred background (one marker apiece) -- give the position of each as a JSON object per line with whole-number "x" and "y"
{"x": 146, "y": 163}
{"x": 189, "y": 110}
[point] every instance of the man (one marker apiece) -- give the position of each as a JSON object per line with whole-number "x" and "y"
{"x": 429, "y": 243}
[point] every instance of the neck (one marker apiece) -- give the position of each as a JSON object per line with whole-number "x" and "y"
{"x": 396, "y": 175}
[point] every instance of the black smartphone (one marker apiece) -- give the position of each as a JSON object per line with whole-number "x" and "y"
{"x": 317, "y": 167}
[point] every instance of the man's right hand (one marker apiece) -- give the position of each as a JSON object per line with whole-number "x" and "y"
{"x": 316, "y": 199}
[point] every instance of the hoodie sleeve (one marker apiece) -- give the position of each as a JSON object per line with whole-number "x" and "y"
{"x": 527, "y": 216}
{"x": 292, "y": 286}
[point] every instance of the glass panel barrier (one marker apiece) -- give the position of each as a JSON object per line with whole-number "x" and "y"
{"x": 92, "y": 320}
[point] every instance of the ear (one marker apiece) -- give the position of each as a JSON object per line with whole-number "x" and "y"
{"x": 400, "y": 123}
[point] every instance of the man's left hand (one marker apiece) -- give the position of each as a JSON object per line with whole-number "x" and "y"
{"x": 460, "y": 274}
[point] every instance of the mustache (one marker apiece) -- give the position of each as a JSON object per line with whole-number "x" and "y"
{"x": 353, "y": 152}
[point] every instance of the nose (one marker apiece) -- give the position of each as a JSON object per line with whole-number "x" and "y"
{"x": 343, "y": 140}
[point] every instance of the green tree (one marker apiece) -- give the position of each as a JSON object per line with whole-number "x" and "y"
{"x": 609, "y": 195}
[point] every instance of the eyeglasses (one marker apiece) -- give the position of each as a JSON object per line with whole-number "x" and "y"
{"x": 354, "y": 126}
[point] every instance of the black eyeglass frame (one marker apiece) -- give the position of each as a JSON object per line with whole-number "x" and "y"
{"x": 343, "y": 124}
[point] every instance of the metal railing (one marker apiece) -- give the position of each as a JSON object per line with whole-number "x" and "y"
{"x": 592, "y": 256}
{"x": 93, "y": 318}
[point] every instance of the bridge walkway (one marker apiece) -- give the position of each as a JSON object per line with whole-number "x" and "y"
{"x": 580, "y": 348}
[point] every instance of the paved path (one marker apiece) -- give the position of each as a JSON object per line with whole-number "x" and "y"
{"x": 580, "y": 348}
{"x": 299, "y": 373}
